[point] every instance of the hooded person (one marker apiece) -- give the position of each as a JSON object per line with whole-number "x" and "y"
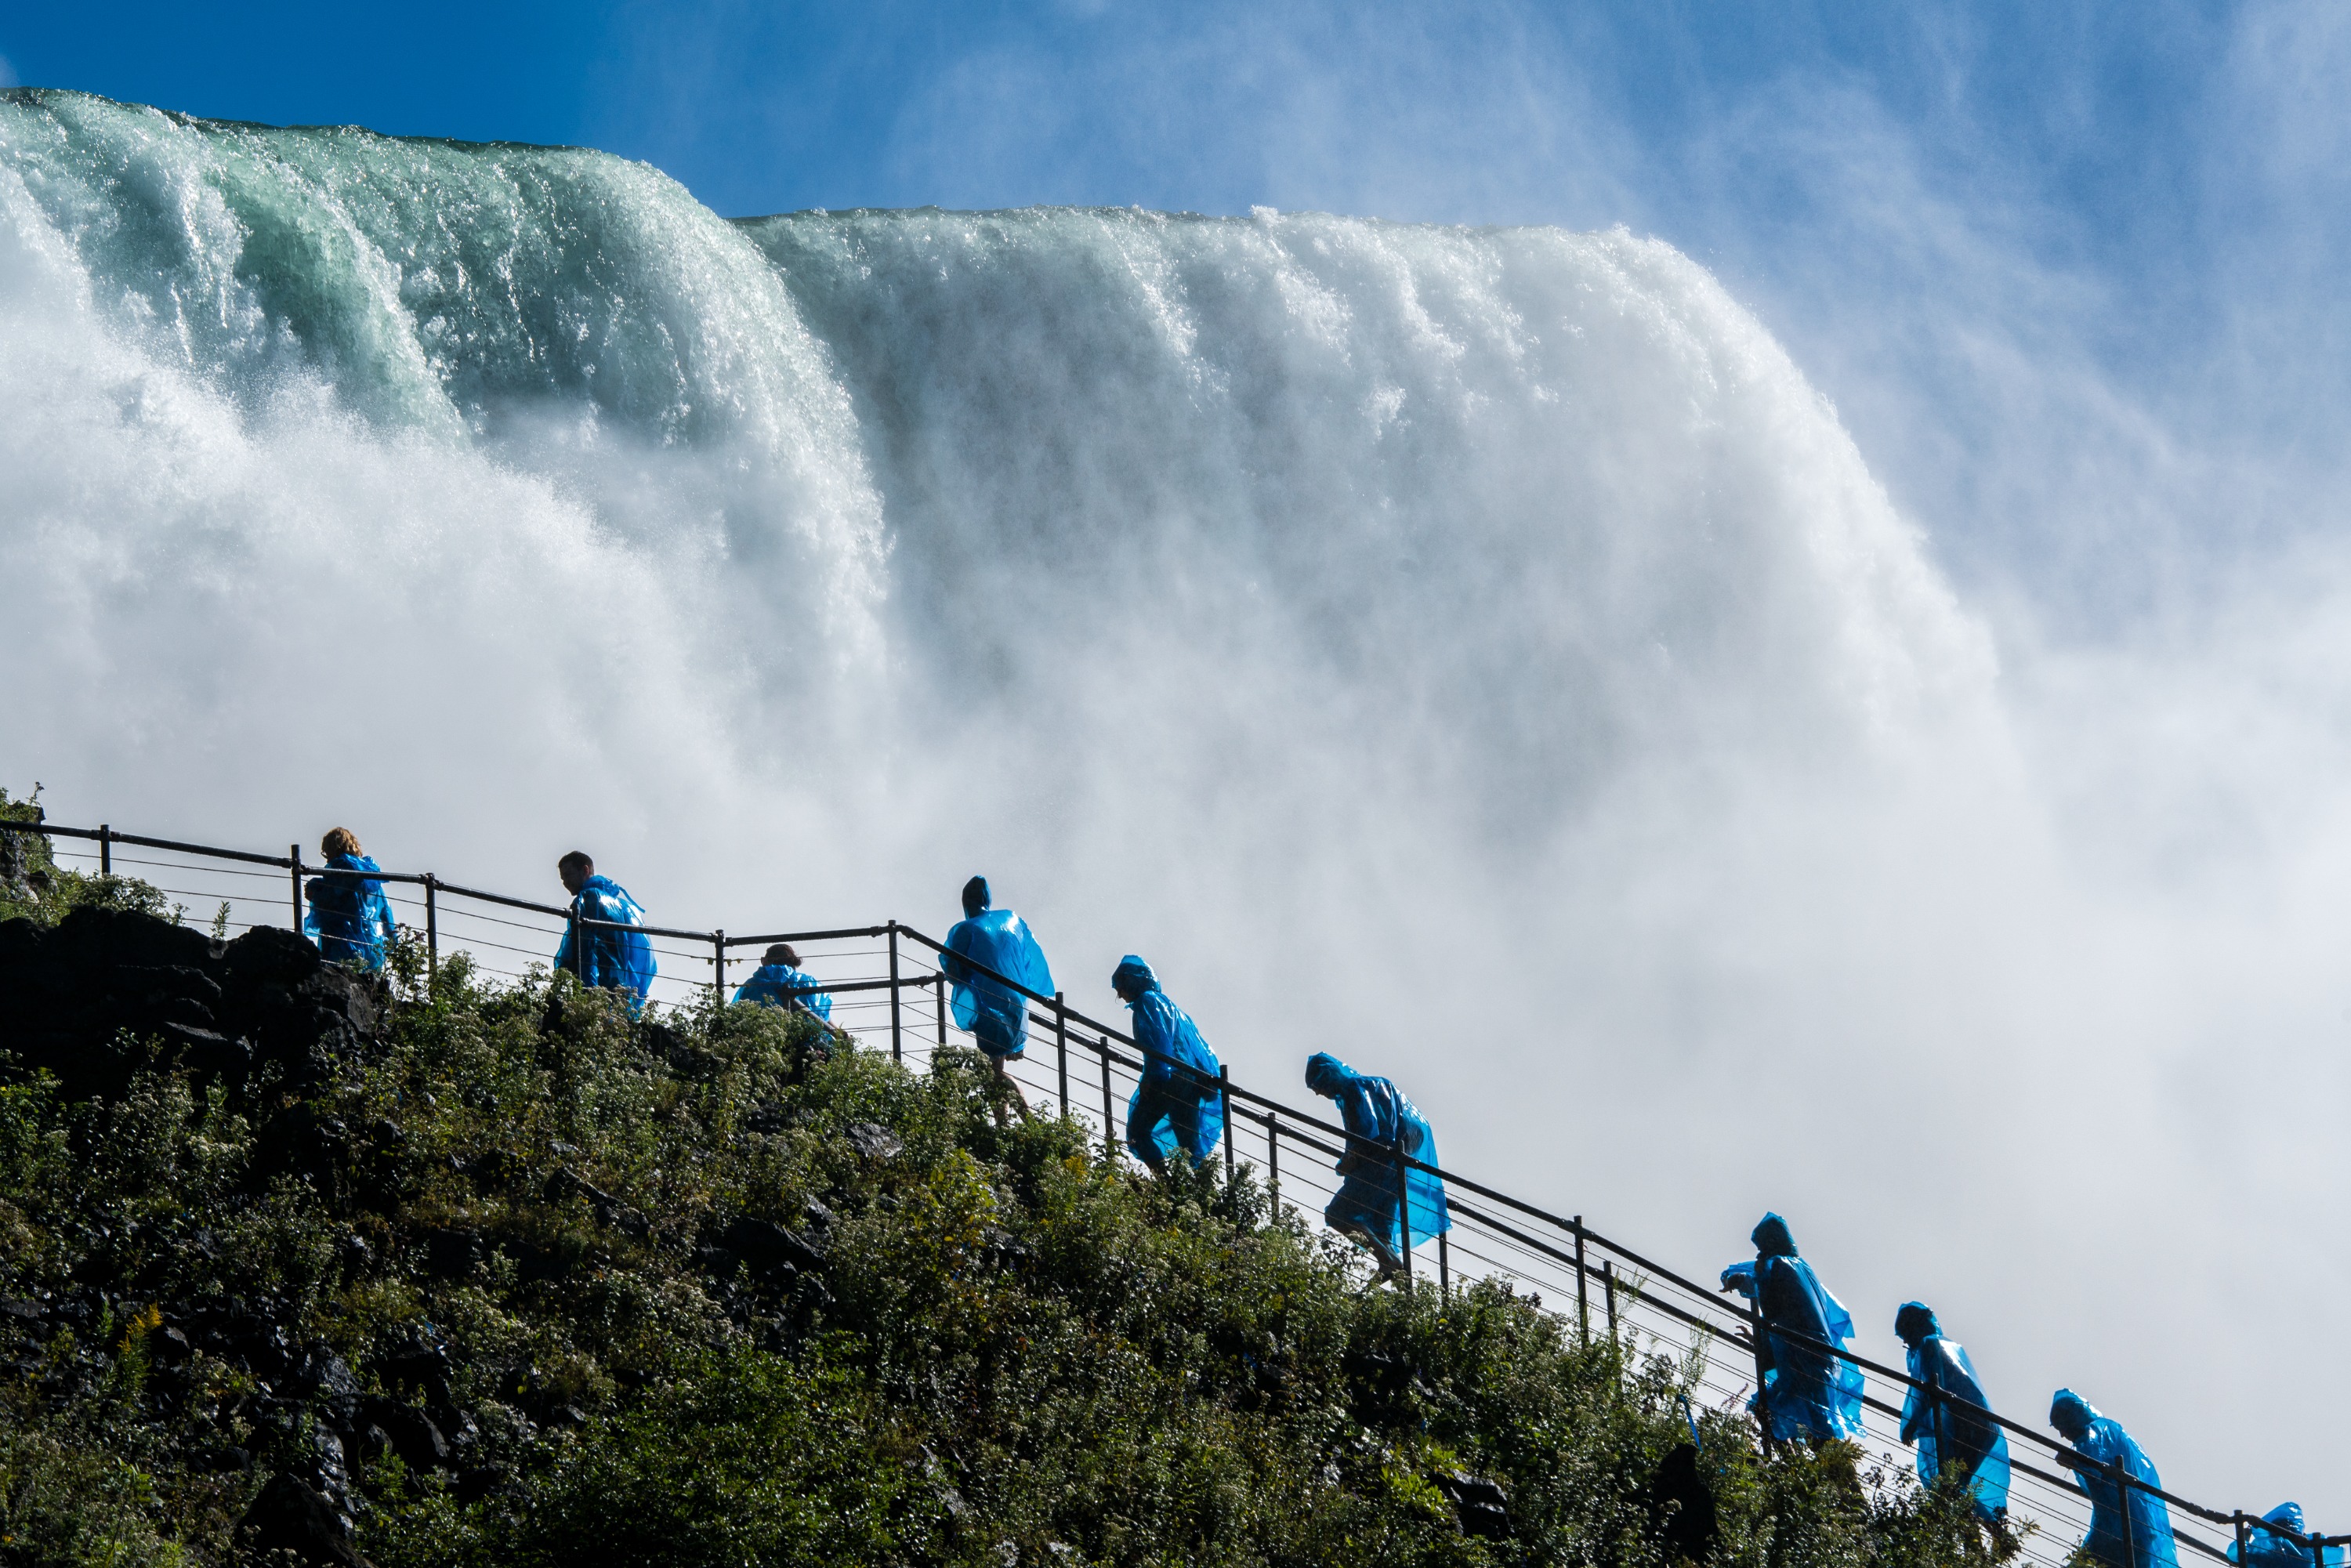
{"x": 349, "y": 918}
{"x": 780, "y": 982}
{"x": 2287, "y": 1547}
{"x": 2133, "y": 1533}
{"x": 1940, "y": 1418}
{"x": 1807, "y": 1392}
{"x": 1377, "y": 1117}
{"x": 602, "y": 945}
{"x": 985, "y": 948}
{"x": 1178, "y": 1107}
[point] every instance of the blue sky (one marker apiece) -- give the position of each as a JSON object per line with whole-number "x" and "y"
{"x": 2067, "y": 272}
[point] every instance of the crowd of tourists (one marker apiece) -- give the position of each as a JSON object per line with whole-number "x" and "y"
{"x": 1809, "y": 1388}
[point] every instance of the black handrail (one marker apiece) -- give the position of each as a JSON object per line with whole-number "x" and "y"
{"x": 1282, "y": 1119}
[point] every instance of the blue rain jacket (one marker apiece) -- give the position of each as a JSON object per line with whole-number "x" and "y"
{"x": 1376, "y": 1111}
{"x": 2268, "y": 1548}
{"x": 780, "y": 985}
{"x": 621, "y": 959}
{"x": 2104, "y": 1441}
{"x": 1806, "y": 1392}
{"x": 1947, "y": 1435}
{"x": 1179, "y": 1104}
{"x": 996, "y": 1016}
{"x": 349, "y": 918}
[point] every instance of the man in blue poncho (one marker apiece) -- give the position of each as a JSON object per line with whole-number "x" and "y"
{"x": 2142, "y": 1520}
{"x": 1178, "y": 1107}
{"x": 1807, "y": 1392}
{"x": 780, "y": 982}
{"x": 610, "y": 953}
{"x": 2287, "y": 1547}
{"x": 349, "y": 918}
{"x": 985, "y": 947}
{"x": 1376, "y": 1115}
{"x": 1941, "y": 1418}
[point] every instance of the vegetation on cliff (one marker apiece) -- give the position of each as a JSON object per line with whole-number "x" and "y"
{"x": 454, "y": 1273}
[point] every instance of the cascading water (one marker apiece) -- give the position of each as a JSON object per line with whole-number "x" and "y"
{"x": 1477, "y": 652}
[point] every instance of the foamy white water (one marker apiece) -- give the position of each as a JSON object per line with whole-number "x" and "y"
{"x": 1479, "y": 652}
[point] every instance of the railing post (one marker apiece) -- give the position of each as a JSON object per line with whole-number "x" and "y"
{"x": 1110, "y": 1128}
{"x": 1583, "y": 1288}
{"x": 2122, "y": 1506}
{"x": 1225, "y": 1108}
{"x": 1403, "y": 1207}
{"x": 431, "y": 932}
{"x": 2244, "y": 1553}
{"x": 294, "y": 859}
{"x": 939, "y": 996}
{"x": 1762, "y": 1366}
{"x": 1444, "y": 1265}
{"x": 718, "y": 967}
{"x": 2317, "y": 1550}
{"x": 1934, "y": 1391}
{"x": 1060, "y": 1047}
{"x": 897, "y": 1048}
{"x": 1608, "y": 1285}
{"x": 105, "y": 849}
{"x": 1273, "y": 1159}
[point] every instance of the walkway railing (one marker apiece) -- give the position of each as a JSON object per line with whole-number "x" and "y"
{"x": 889, "y": 990}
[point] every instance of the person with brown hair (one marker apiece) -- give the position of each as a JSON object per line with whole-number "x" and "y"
{"x": 603, "y": 945}
{"x": 781, "y": 982}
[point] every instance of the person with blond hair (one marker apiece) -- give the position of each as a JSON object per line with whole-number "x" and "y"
{"x": 349, "y": 918}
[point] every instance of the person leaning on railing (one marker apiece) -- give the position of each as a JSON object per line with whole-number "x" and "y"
{"x": 1178, "y": 1107}
{"x": 601, "y": 955}
{"x": 349, "y": 918}
{"x": 1807, "y": 1392}
{"x": 2142, "y": 1519}
{"x": 1377, "y": 1117}
{"x": 1941, "y": 1416}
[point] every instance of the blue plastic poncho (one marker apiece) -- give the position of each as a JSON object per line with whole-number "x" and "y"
{"x": 1376, "y": 1111}
{"x": 1807, "y": 1392}
{"x": 780, "y": 985}
{"x": 621, "y": 959}
{"x": 2104, "y": 1441}
{"x": 1179, "y": 1104}
{"x": 2268, "y": 1548}
{"x": 1948, "y": 1438}
{"x": 994, "y": 1015}
{"x": 349, "y": 918}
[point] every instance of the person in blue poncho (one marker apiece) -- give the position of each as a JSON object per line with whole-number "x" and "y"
{"x": 780, "y": 982}
{"x": 985, "y": 947}
{"x": 2144, "y": 1521}
{"x": 1807, "y": 1392}
{"x": 2288, "y": 1546}
{"x": 1178, "y": 1107}
{"x": 1376, "y": 1112}
{"x": 349, "y": 918}
{"x": 1939, "y": 1418}
{"x": 601, "y": 955}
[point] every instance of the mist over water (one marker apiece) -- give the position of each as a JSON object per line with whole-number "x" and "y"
{"x": 1477, "y": 652}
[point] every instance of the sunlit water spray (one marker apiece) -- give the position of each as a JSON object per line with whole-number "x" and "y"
{"x": 1477, "y": 652}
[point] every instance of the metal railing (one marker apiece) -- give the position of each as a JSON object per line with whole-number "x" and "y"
{"x": 869, "y": 972}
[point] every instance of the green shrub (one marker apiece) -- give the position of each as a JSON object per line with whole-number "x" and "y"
{"x": 1012, "y": 1349}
